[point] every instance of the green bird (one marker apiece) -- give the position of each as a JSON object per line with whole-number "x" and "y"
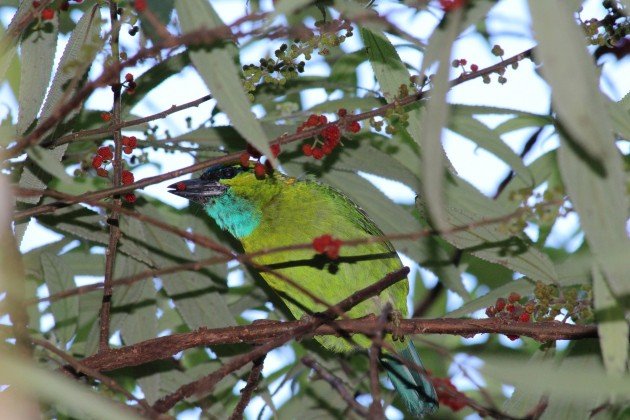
{"x": 280, "y": 211}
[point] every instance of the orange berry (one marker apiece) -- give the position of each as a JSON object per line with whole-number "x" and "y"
{"x": 102, "y": 172}
{"x": 106, "y": 116}
{"x": 321, "y": 243}
{"x": 128, "y": 150}
{"x": 140, "y": 5}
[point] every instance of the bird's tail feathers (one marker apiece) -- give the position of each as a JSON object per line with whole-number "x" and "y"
{"x": 414, "y": 387}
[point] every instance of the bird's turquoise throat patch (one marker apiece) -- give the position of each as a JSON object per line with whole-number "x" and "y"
{"x": 234, "y": 214}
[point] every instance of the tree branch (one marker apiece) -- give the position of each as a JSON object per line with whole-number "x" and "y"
{"x": 248, "y": 390}
{"x": 164, "y": 347}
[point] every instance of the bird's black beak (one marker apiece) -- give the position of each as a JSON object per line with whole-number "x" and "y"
{"x": 198, "y": 189}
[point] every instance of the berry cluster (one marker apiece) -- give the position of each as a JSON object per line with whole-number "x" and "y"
{"x": 397, "y": 115}
{"x": 287, "y": 63}
{"x": 104, "y": 155}
{"x": 261, "y": 170}
{"x": 449, "y": 395}
{"x": 461, "y": 62}
{"x": 511, "y": 310}
{"x": 130, "y": 84}
{"x": 330, "y": 136}
{"x": 615, "y": 26}
{"x": 328, "y": 245}
{"x": 140, "y": 5}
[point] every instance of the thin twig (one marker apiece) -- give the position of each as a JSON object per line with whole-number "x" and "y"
{"x": 337, "y": 384}
{"x": 114, "y": 217}
{"x": 248, "y": 390}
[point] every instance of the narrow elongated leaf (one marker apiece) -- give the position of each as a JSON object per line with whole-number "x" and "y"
{"x": 218, "y": 70}
{"x": 57, "y": 389}
{"x": 435, "y": 118}
{"x": 39, "y": 47}
{"x": 488, "y": 139}
{"x": 611, "y": 326}
{"x": 9, "y": 40}
{"x": 577, "y": 99}
{"x": 66, "y": 310}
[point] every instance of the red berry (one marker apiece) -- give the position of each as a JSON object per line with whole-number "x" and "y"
{"x": 327, "y": 149}
{"x": 312, "y": 121}
{"x": 307, "y": 149}
{"x": 48, "y": 14}
{"x": 510, "y": 308}
{"x": 321, "y": 243}
{"x": 474, "y": 67}
{"x": 36, "y": 4}
{"x": 129, "y": 77}
{"x": 323, "y": 120}
{"x": 275, "y": 149}
{"x": 128, "y": 150}
{"x": 525, "y": 317}
{"x": 132, "y": 141}
{"x": 244, "y": 158}
{"x": 127, "y": 177}
{"x": 500, "y": 304}
{"x": 140, "y": 5}
{"x": 97, "y": 161}
{"x": 354, "y": 127}
{"x": 342, "y": 112}
{"x": 259, "y": 171}
{"x": 106, "y": 116}
{"x": 318, "y": 153}
{"x": 463, "y": 61}
{"x": 105, "y": 152}
{"x": 514, "y": 297}
{"x": 180, "y": 186}
{"x": 450, "y": 5}
{"x": 331, "y": 133}
{"x": 102, "y": 172}
{"x": 491, "y": 311}
{"x": 130, "y": 198}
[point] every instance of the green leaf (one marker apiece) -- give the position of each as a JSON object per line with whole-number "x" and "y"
{"x": 611, "y": 325}
{"x": 56, "y": 389}
{"x": 10, "y": 37}
{"x": 604, "y": 225}
{"x": 488, "y": 139}
{"x": 66, "y": 310}
{"x": 429, "y": 133}
{"x": 38, "y": 47}
{"x": 620, "y": 116}
{"x": 577, "y": 99}
{"x": 218, "y": 70}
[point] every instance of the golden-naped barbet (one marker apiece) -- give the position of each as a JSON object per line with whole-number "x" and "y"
{"x": 280, "y": 211}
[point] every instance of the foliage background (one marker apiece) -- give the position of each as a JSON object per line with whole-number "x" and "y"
{"x": 583, "y": 163}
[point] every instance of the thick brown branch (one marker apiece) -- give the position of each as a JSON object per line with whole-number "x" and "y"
{"x": 164, "y": 347}
{"x": 205, "y": 384}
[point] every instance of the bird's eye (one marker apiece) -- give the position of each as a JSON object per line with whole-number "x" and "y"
{"x": 228, "y": 173}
